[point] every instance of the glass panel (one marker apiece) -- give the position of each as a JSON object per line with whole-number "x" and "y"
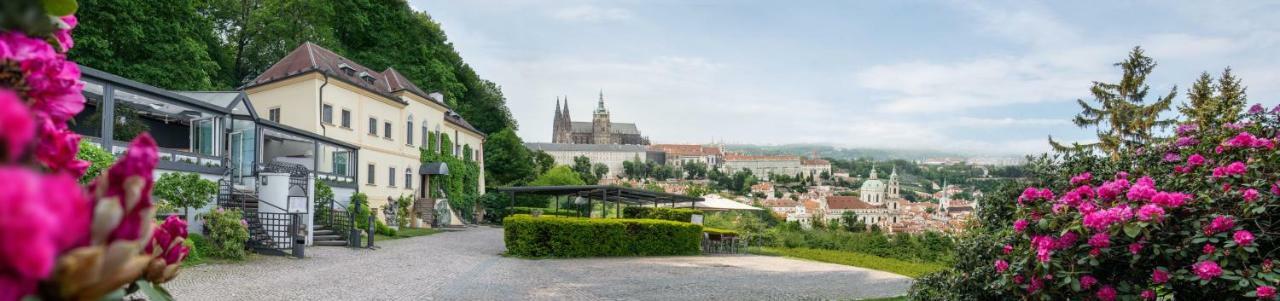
{"x": 89, "y": 121}
{"x": 282, "y": 147}
{"x": 341, "y": 160}
{"x": 243, "y": 145}
{"x": 202, "y": 136}
{"x": 169, "y": 122}
{"x": 334, "y": 160}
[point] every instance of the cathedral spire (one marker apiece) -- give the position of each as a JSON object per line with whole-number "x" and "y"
{"x": 600, "y": 105}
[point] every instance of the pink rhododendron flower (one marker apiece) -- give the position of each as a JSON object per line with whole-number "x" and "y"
{"x": 1208, "y": 249}
{"x": 1256, "y": 109}
{"x": 1087, "y": 281}
{"x": 64, "y": 35}
{"x": 1081, "y": 179}
{"x": 1066, "y": 241}
{"x": 1007, "y": 249}
{"x": 1219, "y": 224}
{"x": 1148, "y": 295}
{"x": 1170, "y": 199}
{"x": 1266, "y": 292}
{"x": 1275, "y": 188}
{"x": 1195, "y": 160}
{"x": 1095, "y": 252}
{"x": 1020, "y": 225}
{"x": 1244, "y": 139}
{"x": 1150, "y": 212}
{"x": 1172, "y": 157}
{"x": 166, "y": 240}
{"x": 52, "y": 83}
{"x": 1102, "y": 219}
{"x": 1250, "y": 195}
{"x": 1017, "y": 279}
{"x": 1159, "y": 276}
{"x": 1100, "y": 240}
{"x": 1143, "y": 190}
{"x": 1135, "y": 248}
{"x": 1186, "y": 141}
{"x": 1110, "y": 189}
{"x": 40, "y": 216}
{"x": 1184, "y": 129}
{"x": 16, "y": 126}
{"x": 1107, "y": 293}
{"x": 137, "y": 163}
{"x": 1001, "y": 265}
{"x": 1207, "y": 270}
{"x": 1243, "y": 237}
{"x": 57, "y": 149}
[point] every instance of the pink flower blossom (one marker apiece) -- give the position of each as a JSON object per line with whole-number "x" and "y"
{"x": 1208, "y": 249}
{"x": 1087, "y": 281}
{"x": 16, "y": 126}
{"x": 1110, "y": 189}
{"x": 138, "y": 162}
{"x": 1244, "y": 139}
{"x": 1081, "y": 179}
{"x": 1143, "y": 190}
{"x": 1266, "y": 292}
{"x": 1095, "y": 252}
{"x": 1107, "y": 293}
{"x": 1135, "y": 248}
{"x": 1102, "y": 219}
{"x": 58, "y": 148}
{"x": 1219, "y": 224}
{"x": 1007, "y": 249}
{"x": 1100, "y": 240}
{"x": 166, "y": 241}
{"x": 1243, "y": 237}
{"x": 1207, "y": 270}
{"x": 1148, "y": 295}
{"x": 1159, "y": 276}
{"x": 1001, "y": 265}
{"x": 40, "y": 216}
{"x": 1067, "y": 240}
{"x": 64, "y": 35}
{"x": 1237, "y": 168}
{"x": 1186, "y": 141}
{"x": 1150, "y": 212}
{"x": 1256, "y": 109}
{"x": 1195, "y": 160}
{"x": 1184, "y": 129}
{"x": 1250, "y": 195}
{"x": 1123, "y": 175}
{"x": 1170, "y": 199}
{"x": 1172, "y": 157}
{"x": 1020, "y": 225}
{"x": 52, "y": 83}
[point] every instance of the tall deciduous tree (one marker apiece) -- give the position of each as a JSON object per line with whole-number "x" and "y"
{"x": 185, "y": 190}
{"x": 163, "y": 43}
{"x": 507, "y": 161}
{"x": 582, "y": 166}
{"x": 1122, "y": 116}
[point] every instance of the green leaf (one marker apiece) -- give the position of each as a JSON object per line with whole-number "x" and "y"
{"x": 153, "y": 292}
{"x": 1132, "y": 230}
{"x": 114, "y": 295}
{"x": 59, "y": 7}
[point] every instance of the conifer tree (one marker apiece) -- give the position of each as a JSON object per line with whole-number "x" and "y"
{"x": 1122, "y": 117}
{"x": 1211, "y": 104}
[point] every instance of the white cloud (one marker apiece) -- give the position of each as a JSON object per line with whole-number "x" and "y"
{"x": 589, "y": 13}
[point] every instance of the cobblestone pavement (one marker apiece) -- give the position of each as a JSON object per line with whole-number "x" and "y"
{"x": 466, "y": 265}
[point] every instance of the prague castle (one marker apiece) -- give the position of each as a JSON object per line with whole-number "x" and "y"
{"x": 599, "y": 131}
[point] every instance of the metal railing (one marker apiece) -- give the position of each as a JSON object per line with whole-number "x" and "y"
{"x": 723, "y": 245}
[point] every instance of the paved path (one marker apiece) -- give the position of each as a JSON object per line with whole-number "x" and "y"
{"x": 465, "y": 265}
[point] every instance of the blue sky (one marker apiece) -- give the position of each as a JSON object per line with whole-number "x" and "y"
{"x": 977, "y": 77}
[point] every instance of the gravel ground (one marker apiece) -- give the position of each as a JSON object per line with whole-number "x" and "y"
{"x": 465, "y": 265}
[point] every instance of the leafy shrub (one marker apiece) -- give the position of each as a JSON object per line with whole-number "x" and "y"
{"x": 718, "y": 231}
{"x": 671, "y": 214}
{"x": 227, "y": 234}
{"x": 184, "y": 190}
{"x": 972, "y": 275}
{"x": 552, "y": 236}
{"x": 197, "y": 247}
{"x": 545, "y": 211}
{"x": 1186, "y": 219}
{"x": 99, "y": 159}
{"x": 381, "y": 228}
{"x": 361, "y": 200}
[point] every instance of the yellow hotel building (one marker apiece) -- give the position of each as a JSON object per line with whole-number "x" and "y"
{"x": 382, "y": 112}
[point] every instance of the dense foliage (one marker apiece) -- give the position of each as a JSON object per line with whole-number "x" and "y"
{"x": 98, "y": 158}
{"x": 662, "y": 213}
{"x": 552, "y": 236}
{"x": 227, "y": 233}
{"x": 185, "y": 190}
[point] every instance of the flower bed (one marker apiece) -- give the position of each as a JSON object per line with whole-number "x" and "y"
{"x": 554, "y": 236}
{"x": 1190, "y": 219}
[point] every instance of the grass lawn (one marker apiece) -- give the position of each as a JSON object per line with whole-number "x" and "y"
{"x": 905, "y": 268}
{"x": 406, "y": 233}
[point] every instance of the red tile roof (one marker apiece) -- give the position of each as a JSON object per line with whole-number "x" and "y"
{"x": 847, "y": 202}
{"x": 780, "y": 203}
{"x": 687, "y": 149}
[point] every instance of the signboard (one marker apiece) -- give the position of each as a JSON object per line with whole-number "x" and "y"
{"x": 696, "y": 219}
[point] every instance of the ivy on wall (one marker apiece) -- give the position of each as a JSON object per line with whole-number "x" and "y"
{"x": 462, "y": 184}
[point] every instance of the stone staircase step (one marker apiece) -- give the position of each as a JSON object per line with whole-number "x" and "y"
{"x": 331, "y": 243}
{"x": 326, "y": 237}
{"x": 322, "y": 232}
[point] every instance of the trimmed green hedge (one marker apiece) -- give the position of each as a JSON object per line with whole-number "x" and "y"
{"x": 554, "y": 236}
{"x": 718, "y": 231}
{"x": 676, "y": 214}
{"x": 545, "y": 211}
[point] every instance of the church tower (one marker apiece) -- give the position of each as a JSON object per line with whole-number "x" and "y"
{"x": 893, "y": 184}
{"x": 555, "y": 124}
{"x": 600, "y": 133}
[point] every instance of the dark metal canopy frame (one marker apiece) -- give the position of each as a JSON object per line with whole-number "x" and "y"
{"x": 617, "y": 195}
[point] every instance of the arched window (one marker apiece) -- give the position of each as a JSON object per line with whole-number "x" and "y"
{"x": 424, "y": 133}
{"x": 408, "y": 178}
{"x": 408, "y": 131}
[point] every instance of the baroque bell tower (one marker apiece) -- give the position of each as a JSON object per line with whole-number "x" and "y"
{"x": 600, "y": 132}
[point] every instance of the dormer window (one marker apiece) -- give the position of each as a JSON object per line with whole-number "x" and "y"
{"x": 347, "y": 69}
{"x": 366, "y": 77}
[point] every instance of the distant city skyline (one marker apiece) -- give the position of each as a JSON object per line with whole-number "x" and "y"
{"x": 994, "y": 78}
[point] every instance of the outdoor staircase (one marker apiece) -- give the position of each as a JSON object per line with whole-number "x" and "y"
{"x": 323, "y": 236}
{"x": 247, "y": 202}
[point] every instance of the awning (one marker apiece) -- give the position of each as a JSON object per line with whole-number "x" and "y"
{"x": 713, "y": 202}
{"x": 437, "y": 168}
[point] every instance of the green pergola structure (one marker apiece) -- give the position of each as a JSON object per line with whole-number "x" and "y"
{"x": 606, "y": 194}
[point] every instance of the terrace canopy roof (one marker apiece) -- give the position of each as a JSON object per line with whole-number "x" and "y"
{"x": 607, "y": 193}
